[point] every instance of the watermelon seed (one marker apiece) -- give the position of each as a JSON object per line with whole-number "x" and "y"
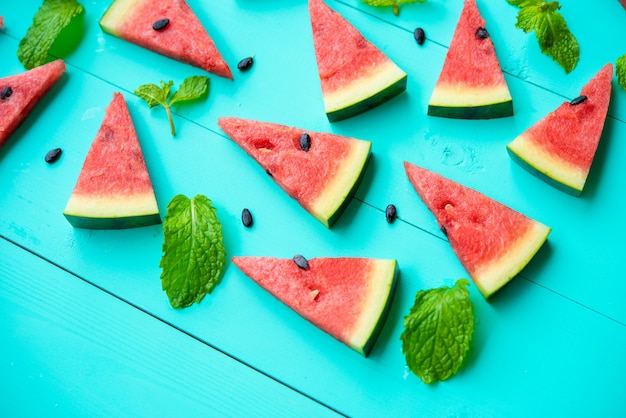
{"x": 444, "y": 230}
{"x": 305, "y": 142}
{"x": 419, "y": 35}
{"x": 246, "y": 218}
{"x": 269, "y": 173}
{"x": 391, "y": 213}
{"x": 53, "y": 155}
{"x": 245, "y": 64}
{"x": 301, "y": 262}
{"x": 578, "y": 100}
{"x": 482, "y": 33}
{"x": 6, "y": 92}
{"x": 160, "y": 24}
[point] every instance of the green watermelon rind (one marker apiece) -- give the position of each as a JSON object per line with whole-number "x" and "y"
{"x": 365, "y": 93}
{"x": 364, "y": 342}
{"x": 126, "y": 222}
{"x": 490, "y": 111}
{"x": 500, "y": 272}
{"x": 467, "y": 102}
{"x": 558, "y": 175}
{"x": 122, "y": 212}
{"x": 331, "y": 204}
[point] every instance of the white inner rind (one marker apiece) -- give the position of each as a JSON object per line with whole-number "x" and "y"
{"x": 87, "y": 206}
{"x": 382, "y": 276}
{"x": 338, "y": 188}
{"x": 462, "y": 95}
{"x": 497, "y": 273}
{"x": 117, "y": 14}
{"x": 364, "y": 87}
{"x": 548, "y": 164}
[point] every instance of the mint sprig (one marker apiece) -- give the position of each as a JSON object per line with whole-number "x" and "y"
{"x": 192, "y": 88}
{"x": 553, "y": 35}
{"x": 620, "y": 70}
{"x": 394, "y": 3}
{"x": 438, "y": 331}
{"x": 51, "y": 18}
{"x": 193, "y": 250}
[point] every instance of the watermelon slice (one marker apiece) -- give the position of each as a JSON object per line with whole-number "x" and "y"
{"x": 349, "y": 298}
{"x": 321, "y": 179}
{"x": 21, "y": 92}
{"x": 471, "y": 84}
{"x": 492, "y": 241}
{"x": 113, "y": 190}
{"x": 560, "y": 147}
{"x": 355, "y": 75}
{"x": 168, "y": 27}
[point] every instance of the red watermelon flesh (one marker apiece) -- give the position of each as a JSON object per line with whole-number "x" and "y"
{"x": 27, "y": 89}
{"x": 348, "y": 298}
{"x": 560, "y": 148}
{"x": 113, "y": 190}
{"x": 321, "y": 179}
{"x": 471, "y": 83}
{"x": 354, "y": 74}
{"x": 492, "y": 241}
{"x": 183, "y": 39}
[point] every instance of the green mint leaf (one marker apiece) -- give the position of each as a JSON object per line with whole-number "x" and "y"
{"x": 620, "y": 70}
{"x": 438, "y": 331}
{"x": 193, "y": 251}
{"x": 51, "y": 18}
{"x": 389, "y": 2}
{"x": 153, "y": 94}
{"x": 192, "y": 88}
{"x": 553, "y": 35}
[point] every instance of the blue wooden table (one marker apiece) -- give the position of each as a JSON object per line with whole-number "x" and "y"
{"x": 86, "y": 330}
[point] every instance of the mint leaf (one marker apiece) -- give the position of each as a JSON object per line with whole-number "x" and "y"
{"x": 394, "y": 3}
{"x": 193, "y": 251}
{"x": 553, "y": 35}
{"x": 51, "y": 18}
{"x": 438, "y": 331}
{"x": 620, "y": 70}
{"x": 192, "y": 88}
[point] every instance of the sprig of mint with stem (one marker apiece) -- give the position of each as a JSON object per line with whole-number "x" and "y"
{"x": 51, "y": 18}
{"x": 192, "y": 88}
{"x": 394, "y": 3}
{"x": 553, "y": 35}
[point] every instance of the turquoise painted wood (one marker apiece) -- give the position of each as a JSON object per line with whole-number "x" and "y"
{"x": 544, "y": 337}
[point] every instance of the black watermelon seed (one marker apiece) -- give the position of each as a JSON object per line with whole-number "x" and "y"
{"x": 301, "y": 262}
{"x": 246, "y": 218}
{"x": 305, "y": 142}
{"x": 269, "y": 173}
{"x": 160, "y": 24}
{"x": 6, "y": 92}
{"x": 578, "y": 100}
{"x": 53, "y": 155}
{"x": 444, "y": 230}
{"x": 245, "y": 63}
{"x": 391, "y": 213}
{"x": 419, "y": 35}
{"x": 482, "y": 33}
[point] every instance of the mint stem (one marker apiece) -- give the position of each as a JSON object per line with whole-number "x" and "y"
{"x": 169, "y": 116}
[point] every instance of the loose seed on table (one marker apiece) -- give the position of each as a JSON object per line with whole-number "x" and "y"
{"x": 482, "y": 33}
{"x": 6, "y": 92}
{"x": 301, "y": 261}
{"x": 391, "y": 213}
{"x": 53, "y": 155}
{"x": 160, "y": 24}
{"x": 245, "y": 64}
{"x": 419, "y": 35}
{"x": 578, "y": 100}
{"x": 246, "y": 218}
{"x": 305, "y": 142}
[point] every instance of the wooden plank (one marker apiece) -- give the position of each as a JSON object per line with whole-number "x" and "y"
{"x": 69, "y": 349}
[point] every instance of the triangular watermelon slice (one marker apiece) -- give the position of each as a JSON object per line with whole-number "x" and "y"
{"x": 322, "y": 179}
{"x": 471, "y": 84}
{"x": 349, "y": 298}
{"x": 113, "y": 190}
{"x": 560, "y": 147}
{"x": 21, "y": 92}
{"x": 183, "y": 38}
{"x": 492, "y": 241}
{"x": 355, "y": 75}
